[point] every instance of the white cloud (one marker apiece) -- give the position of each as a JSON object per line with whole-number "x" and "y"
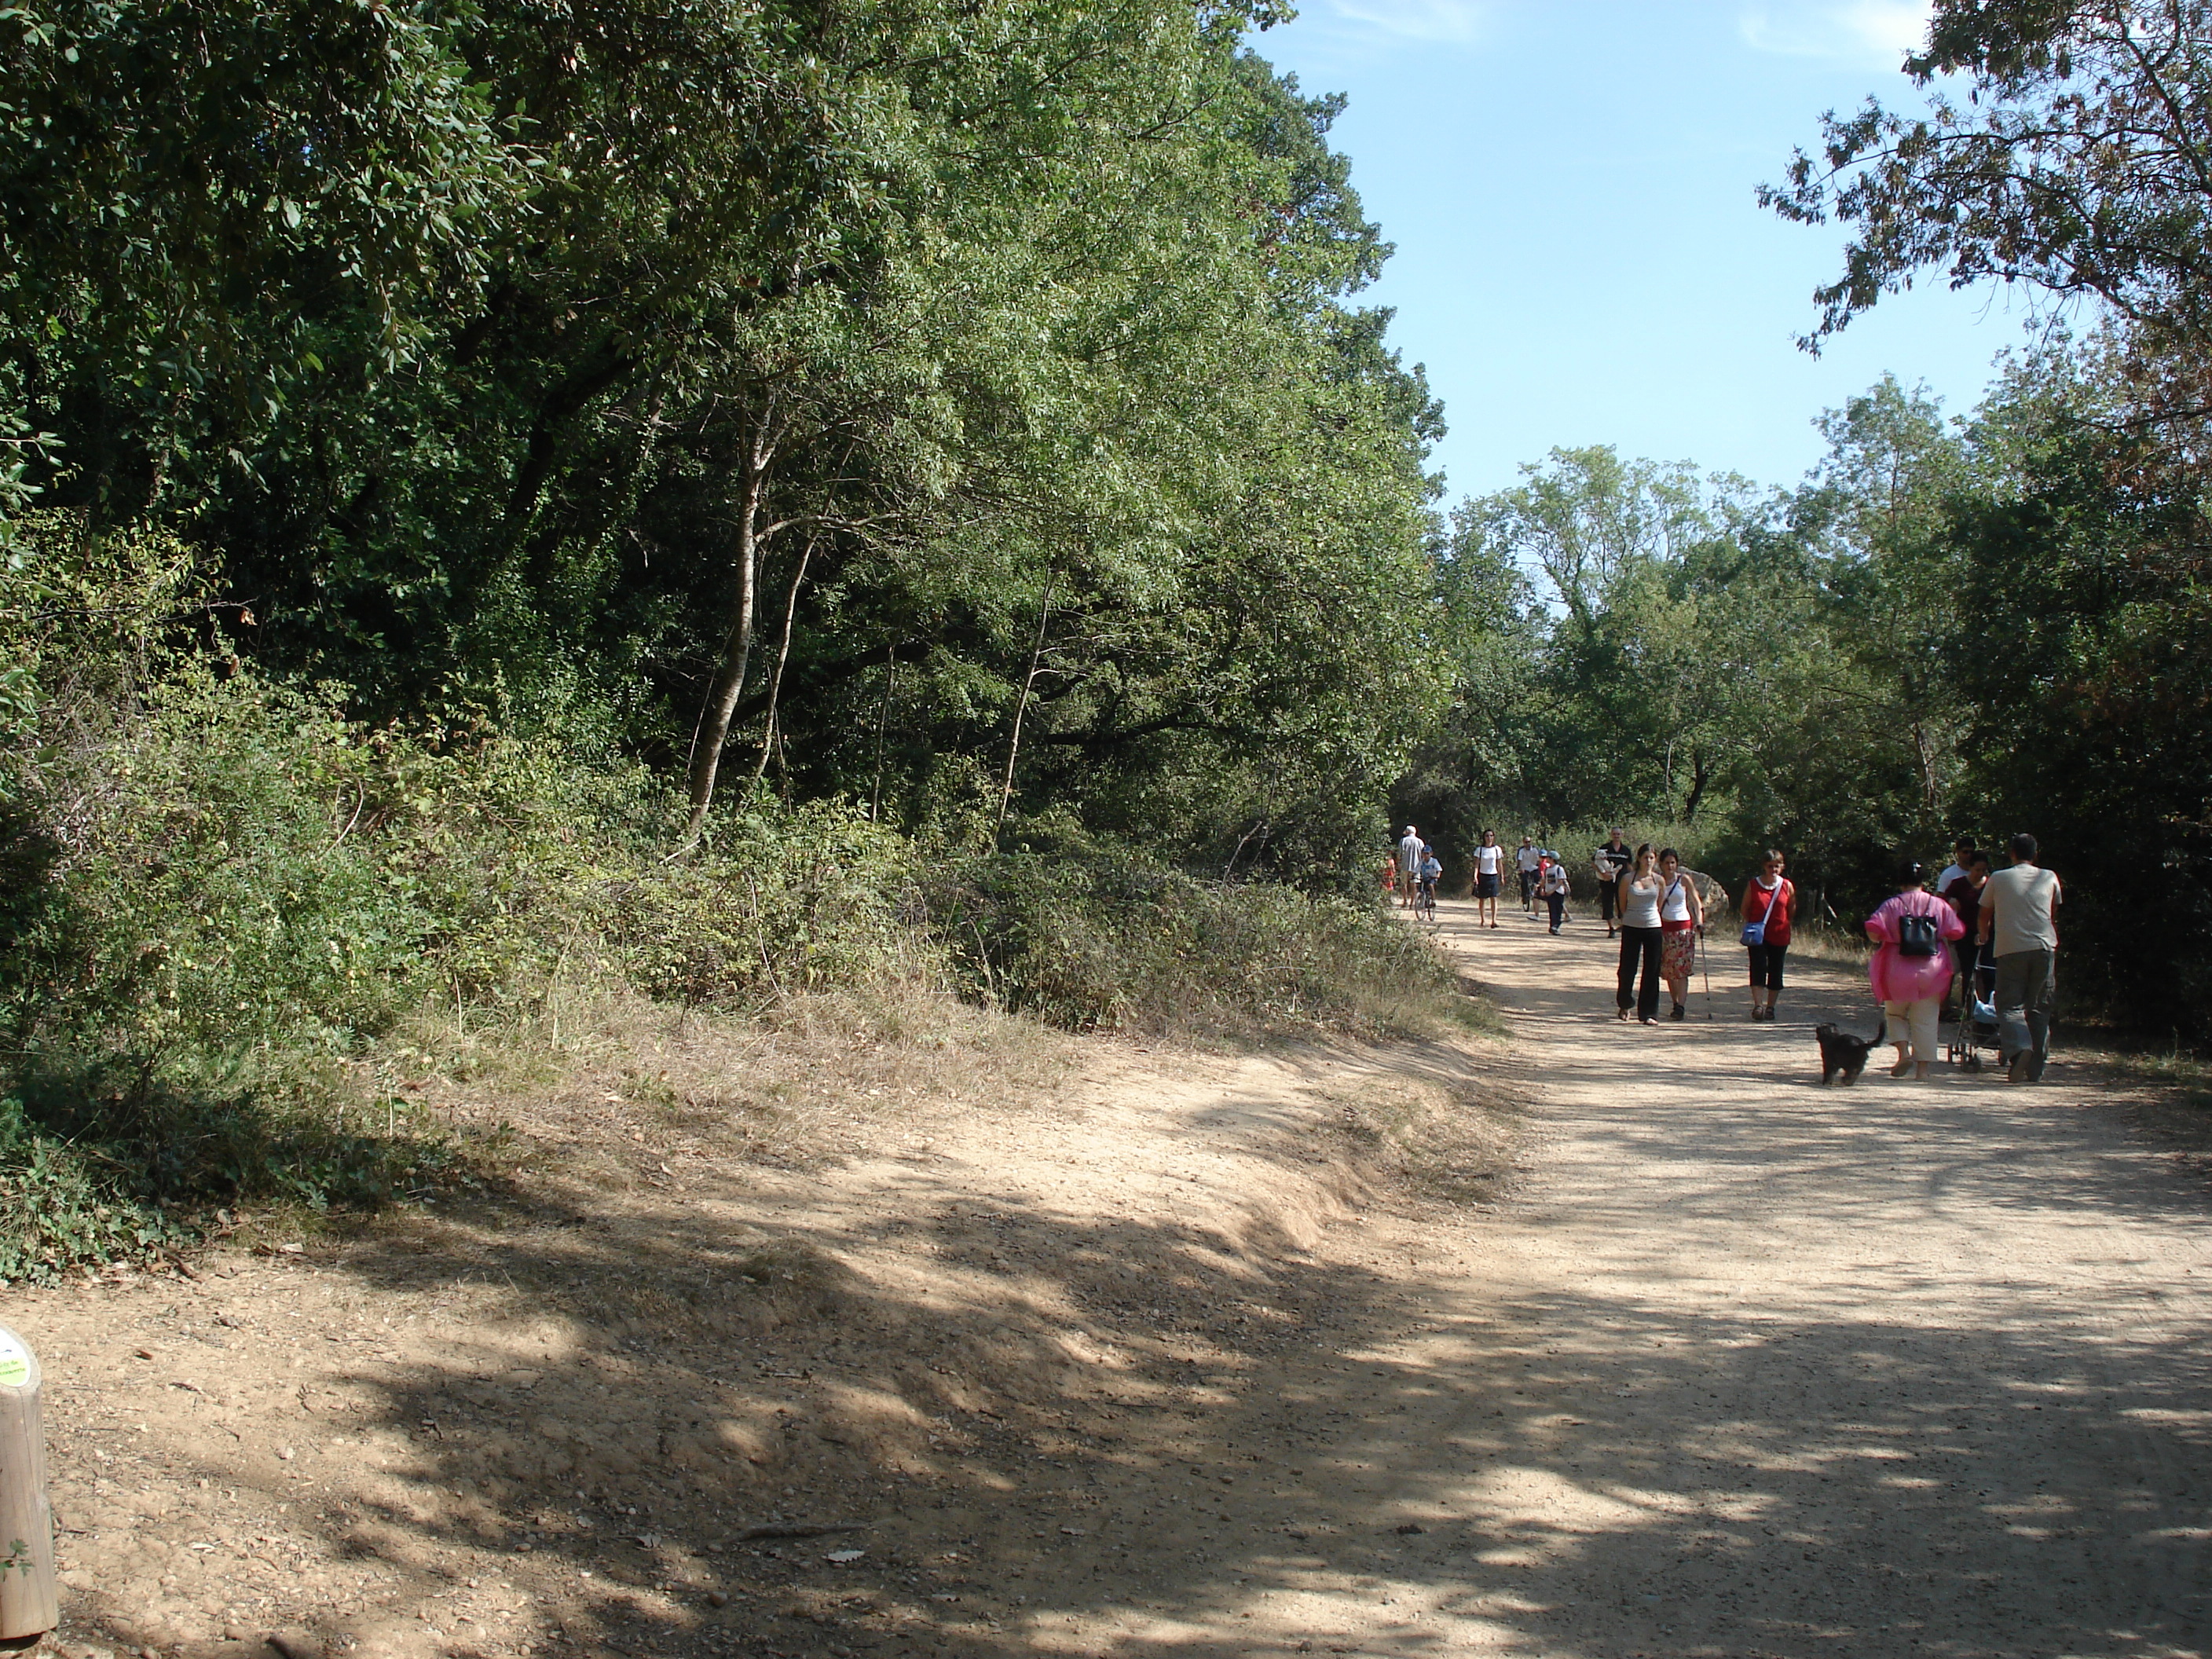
{"x": 1883, "y": 29}
{"x": 1458, "y": 21}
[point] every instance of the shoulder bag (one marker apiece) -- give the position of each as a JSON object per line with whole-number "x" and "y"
{"x": 1754, "y": 933}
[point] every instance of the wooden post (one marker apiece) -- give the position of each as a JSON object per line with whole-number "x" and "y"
{"x": 27, "y": 1603}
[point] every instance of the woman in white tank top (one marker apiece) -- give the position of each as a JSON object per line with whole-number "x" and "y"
{"x": 1640, "y": 888}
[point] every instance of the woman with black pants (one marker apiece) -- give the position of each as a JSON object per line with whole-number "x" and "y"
{"x": 1767, "y": 901}
{"x": 1639, "y": 892}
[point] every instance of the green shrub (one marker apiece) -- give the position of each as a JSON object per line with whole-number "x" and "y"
{"x": 220, "y": 891}
{"x": 1114, "y": 943}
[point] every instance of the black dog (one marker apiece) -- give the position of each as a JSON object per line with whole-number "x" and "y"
{"x": 1842, "y": 1052}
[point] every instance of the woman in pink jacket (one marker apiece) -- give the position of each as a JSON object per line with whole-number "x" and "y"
{"x": 1911, "y": 971}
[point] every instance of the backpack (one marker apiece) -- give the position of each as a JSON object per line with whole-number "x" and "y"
{"x": 1918, "y": 934}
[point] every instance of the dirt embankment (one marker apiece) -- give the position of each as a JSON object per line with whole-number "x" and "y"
{"x": 991, "y": 1342}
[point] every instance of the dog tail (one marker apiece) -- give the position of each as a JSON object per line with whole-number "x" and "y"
{"x": 1880, "y": 1030}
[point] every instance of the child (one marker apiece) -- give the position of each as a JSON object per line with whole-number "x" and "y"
{"x": 1431, "y": 871}
{"x": 1552, "y": 887}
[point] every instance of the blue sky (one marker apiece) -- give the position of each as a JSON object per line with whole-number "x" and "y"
{"x": 1569, "y": 183}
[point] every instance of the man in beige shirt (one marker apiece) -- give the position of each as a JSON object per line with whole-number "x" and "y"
{"x": 2019, "y": 922}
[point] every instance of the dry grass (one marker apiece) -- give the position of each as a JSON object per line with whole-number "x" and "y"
{"x": 607, "y": 1085}
{"x": 1822, "y": 944}
{"x": 1429, "y": 1138}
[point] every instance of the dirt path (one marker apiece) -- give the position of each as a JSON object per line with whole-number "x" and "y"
{"x": 1182, "y": 1362}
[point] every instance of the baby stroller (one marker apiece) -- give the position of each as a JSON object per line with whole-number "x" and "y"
{"x": 1978, "y": 1032}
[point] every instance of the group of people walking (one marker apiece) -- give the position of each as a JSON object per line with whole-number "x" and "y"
{"x": 1654, "y": 905}
{"x": 1995, "y": 931}
{"x": 1991, "y": 931}
{"x": 1660, "y": 915}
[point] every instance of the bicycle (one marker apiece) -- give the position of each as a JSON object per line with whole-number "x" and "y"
{"x": 1425, "y": 901}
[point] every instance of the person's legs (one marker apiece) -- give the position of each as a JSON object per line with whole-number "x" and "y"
{"x": 1963, "y": 952}
{"x": 1647, "y": 999}
{"x": 2017, "y": 975}
{"x": 1623, "y": 990}
{"x": 1758, "y": 955}
{"x": 1775, "y": 955}
{"x": 1900, "y": 1017}
{"x": 2041, "y": 991}
{"x": 1912, "y": 1028}
{"x": 1605, "y": 897}
{"x": 1924, "y": 1019}
{"x": 1677, "y": 946}
{"x": 1558, "y": 905}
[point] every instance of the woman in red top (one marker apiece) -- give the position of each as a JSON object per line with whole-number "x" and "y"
{"x": 1767, "y": 901}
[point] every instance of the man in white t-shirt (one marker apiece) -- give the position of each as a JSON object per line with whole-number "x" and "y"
{"x": 1527, "y": 860}
{"x": 2019, "y": 920}
{"x": 1489, "y": 877}
{"x": 1961, "y": 864}
{"x": 1411, "y": 850}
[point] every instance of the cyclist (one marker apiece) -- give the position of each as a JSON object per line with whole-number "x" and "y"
{"x": 1431, "y": 870}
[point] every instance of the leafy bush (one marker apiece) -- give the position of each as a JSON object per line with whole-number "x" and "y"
{"x": 220, "y": 891}
{"x": 1114, "y": 943}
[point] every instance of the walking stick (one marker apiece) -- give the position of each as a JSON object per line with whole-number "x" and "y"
{"x": 1705, "y": 968}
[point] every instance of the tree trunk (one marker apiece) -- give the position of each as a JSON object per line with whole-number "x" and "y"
{"x": 737, "y": 647}
{"x": 772, "y": 735}
{"x": 883, "y": 723}
{"x": 1021, "y": 707}
{"x": 1700, "y": 775}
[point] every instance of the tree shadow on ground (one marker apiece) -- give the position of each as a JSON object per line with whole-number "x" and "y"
{"x": 1125, "y": 1436}
{"x": 1053, "y": 1432}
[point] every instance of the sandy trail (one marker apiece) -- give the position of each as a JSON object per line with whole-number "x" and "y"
{"x": 1900, "y": 1369}
{"x": 1169, "y": 1365}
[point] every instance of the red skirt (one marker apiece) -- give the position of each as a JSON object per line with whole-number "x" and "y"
{"x": 1678, "y": 950}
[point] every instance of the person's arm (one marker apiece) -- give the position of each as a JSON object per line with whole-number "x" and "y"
{"x": 1985, "y": 919}
{"x": 1697, "y": 906}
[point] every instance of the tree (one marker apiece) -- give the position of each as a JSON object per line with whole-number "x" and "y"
{"x": 2079, "y": 163}
{"x": 196, "y": 199}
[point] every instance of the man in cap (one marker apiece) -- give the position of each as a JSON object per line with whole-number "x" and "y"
{"x": 1411, "y": 850}
{"x": 1611, "y": 860}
